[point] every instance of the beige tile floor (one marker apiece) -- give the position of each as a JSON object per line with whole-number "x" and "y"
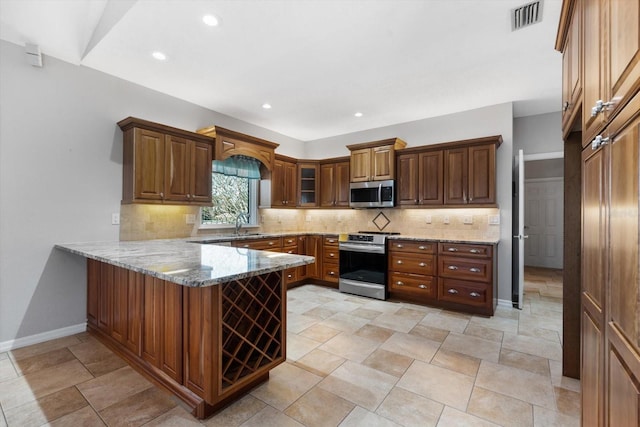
{"x": 351, "y": 362}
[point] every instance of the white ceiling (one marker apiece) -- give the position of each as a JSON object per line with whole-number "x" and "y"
{"x": 316, "y": 62}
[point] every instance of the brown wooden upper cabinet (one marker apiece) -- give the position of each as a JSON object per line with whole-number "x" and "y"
{"x": 420, "y": 178}
{"x": 308, "y": 184}
{"x": 374, "y": 161}
{"x": 166, "y": 165}
{"x": 571, "y": 71}
{"x": 470, "y": 175}
{"x": 284, "y": 178}
{"x": 334, "y": 183}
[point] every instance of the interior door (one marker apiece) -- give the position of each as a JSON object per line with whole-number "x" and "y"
{"x": 544, "y": 222}
{"x": 517, "y": 283}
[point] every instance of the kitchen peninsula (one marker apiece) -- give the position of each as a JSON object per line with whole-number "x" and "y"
{"x": 206, "y": 322}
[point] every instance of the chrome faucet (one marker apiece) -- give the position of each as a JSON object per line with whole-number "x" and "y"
{"x": 244, "y": 215}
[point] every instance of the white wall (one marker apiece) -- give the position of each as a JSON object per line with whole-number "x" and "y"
{"x": 494, "y": 120}
{"x": 61, "y": 178}
{"x": 538, "y": 134}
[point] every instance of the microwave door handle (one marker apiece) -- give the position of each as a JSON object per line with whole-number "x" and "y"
{"x": 380, "y": 193}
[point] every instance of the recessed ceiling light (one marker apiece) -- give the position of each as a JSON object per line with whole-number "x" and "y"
{"x": 266, "y": 106}
{"x": 211, "y": 20}
{"x": 358, "y": 114}
{"x": 159, "y": 56}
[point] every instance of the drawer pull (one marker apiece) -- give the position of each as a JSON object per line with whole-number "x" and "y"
{"x": 289, "y": 252}
{"x": 474, "y": 251}
{"x": 453, "y": 249}
{"x": 399, "y": 246}
{"x": 422, "y": 286}
{"x": 452, "y": 291}
{"x": 245, "y": 246}
{"x": 331, "y": 241}
{"x": 400, "y": 261}
{"x": 331, "y": 255}
{"x": 271, "y": 243}
{"x": 474, "y": 294}
{"x": 474, "y": 270}
{"x": 400, "y": 283}
{"x": 422, "y": 264}
{"x": 332, "y": 273}
{"x": 289, "y": 276}
{"x": 452, "y": 267}
{"x": 422, "y": 248}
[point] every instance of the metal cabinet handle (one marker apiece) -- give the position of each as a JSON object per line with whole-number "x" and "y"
{"x": 331, "y": 241}
{"x": 565, "y": 106}
{"x": 422, "y": 248}
{"x": 474, "y": 251}
{"x": 331, "y": 273}
{"x": 422, "y": 286}
{"x": 399, "y": 246}
{"x": 600, "y": 107}
{"x": 474, "y": 294}
{"x": 162, "y": 195}
{"x": 452, "y": 267}
{"x": 188, "y": 196}
{"x": 453, "y": 249}
{"x": 422, "y": 264}
{"x": 289, "y": 276}
{"x": 245, "y": 246}
{"x": 474, "y": 270}
{"x": 399, "y": 283}
{"x": 271, "y": 243}
{"x": 400, "y": 261}
{"x": 290, "y": 252}
{"x": 331, "y": 255}
{"x": 452, "y": 291}
{"x": 598, "y": 142}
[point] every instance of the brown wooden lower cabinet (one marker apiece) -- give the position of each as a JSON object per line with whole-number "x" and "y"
{"x": 206, "y": 345}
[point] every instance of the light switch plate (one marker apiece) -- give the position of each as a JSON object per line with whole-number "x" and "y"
{"x": 307, "y": 218}
{"x": 115, "y": 218}
{"x": 467, "y": 219}
{"x": 494, "y": 219}
{"x": 445, "y": 219}
{"x": 427, "y": 219}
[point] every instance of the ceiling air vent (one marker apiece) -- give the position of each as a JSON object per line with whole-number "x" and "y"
{"x": 523, "y": 16}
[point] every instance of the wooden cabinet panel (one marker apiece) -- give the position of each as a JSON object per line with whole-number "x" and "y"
{"x": 465, "y": 268}
{"x": 383, "y": 165}
{"x": 290, "y": 184}
{"x": 105, "y": 298}
{"x": 455, "y": 176}
{"x": 464, "y": 292}
{"x": 330, "y": 259}
{"x": 421, "y": 286}
{"x": 572, "y": 69}
{"x": 201, "y": 310}
{"x": 624, "y": 393}
{"x": 431, "y": 178}
{"x": 334, "y": 184}
{"x": 172, "y": 331}
{"x": 374, "y": 161}
{"x": 200, "y": 181}
{"x": 331, "y": 254}
{"x": 413, "y": 246}
{"x": 330, "y": 272}
{"x": 283, "y": 184}
{"x": 149, "y": 155}
{"x": 177, "y": 168}
{"x": 313, "y": 247}
{"x": 593, "y": 61}
{"x": 592, "y": 378}
{"x": 153, "y": 302}
{"x": 265, "y": 244}
{"x": 466, "y": 250}
{"x": 93, "y": 286}
{"x": 342, "y": 184}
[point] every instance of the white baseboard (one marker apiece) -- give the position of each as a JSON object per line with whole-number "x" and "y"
{"x": 45, "y": 336}
{"x": 505, "y": 303}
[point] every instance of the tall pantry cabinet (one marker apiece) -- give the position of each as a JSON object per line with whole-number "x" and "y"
{"x": 607, "y": 34}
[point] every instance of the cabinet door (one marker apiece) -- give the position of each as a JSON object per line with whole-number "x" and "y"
{"x": 361, "y": 165}
{"x": 342, "y": 184}
{"x": 622, "y": 52}
{"x": 455, "y": 176}
{"x": 177, "y": 168}
{"x": 313, "y": 247}
{"x": 591, "y": 376}
{"x": 482, "y": 174}
{"x": 430, "y": 178}
{"x": 148, "y": 153}
{"x": 308, "y": 185}
{"x": 407, "y": 183}
{"x": 277, "y": 184}
{"x": 200, "y": 181}
{"x": 290, "y": 184}
{"x": 593, "y": 87}
{"x": 383, "y": 165}
{"x": 571, "y": 69}
{"x": 328, "y": 185}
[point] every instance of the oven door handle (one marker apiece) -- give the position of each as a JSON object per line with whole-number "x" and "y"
{"x": 353, "y": 247}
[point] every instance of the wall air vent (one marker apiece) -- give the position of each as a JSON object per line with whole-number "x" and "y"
{"x": 523, "y": 16}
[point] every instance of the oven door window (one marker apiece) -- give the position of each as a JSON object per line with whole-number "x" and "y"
{"x": 363, "y": 267}
{"x": 364, "y": 195}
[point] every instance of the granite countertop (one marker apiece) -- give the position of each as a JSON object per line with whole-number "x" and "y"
{"x": 485, "y": 241}
{"x": 185, "y": 263}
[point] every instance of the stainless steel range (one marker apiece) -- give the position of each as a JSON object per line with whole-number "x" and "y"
{"x": 363, "y": 264}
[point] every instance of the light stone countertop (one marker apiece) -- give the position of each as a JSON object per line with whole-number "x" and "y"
{"x": 185, "y": 263}
{"x": 487, "y": 241}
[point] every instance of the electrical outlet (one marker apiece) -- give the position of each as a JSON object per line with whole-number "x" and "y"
{"x": 339, "y": 218}
{"x": 115, "y": 218}
{"x": 467, "y": 219}
{"x": 307, "y": 218}
{"x": 262, "y": 219}
{"x": 494, "y": 219}
{"x": 427, "y": 219}
{"x": 190, "y": 218}
{"x": 445, "y": 219}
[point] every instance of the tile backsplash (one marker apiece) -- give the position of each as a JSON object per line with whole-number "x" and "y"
{"x": 145, "y": 222}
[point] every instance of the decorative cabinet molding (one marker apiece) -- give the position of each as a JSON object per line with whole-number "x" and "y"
{"x": 165, "y": 165}
{"x": 374, "y": 161}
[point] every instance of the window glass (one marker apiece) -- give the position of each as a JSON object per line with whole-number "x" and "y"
{"x": 231, "y": 196}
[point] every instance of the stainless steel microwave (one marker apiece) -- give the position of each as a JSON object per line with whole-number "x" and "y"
{"x": 372, "y": 194}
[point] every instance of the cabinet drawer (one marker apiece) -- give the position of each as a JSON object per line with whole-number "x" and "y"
{"x": 412, "y": 246}
{"x": 465, "y": 268}
{"x": 330, "y": 272}
{"x": 330, "y": 241}
{"x": 331, "y": 255}
{"x": 290, "y": 250}
{"x": 463, "y": 292}
{"x": 290, "y": 275}
{"x": 273, "y": 244}
{"x": 289, "y": 241}
{"x": 411, "y": 263}
{"x": 466, "y": 250}
{"x": 416, "y": 284}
